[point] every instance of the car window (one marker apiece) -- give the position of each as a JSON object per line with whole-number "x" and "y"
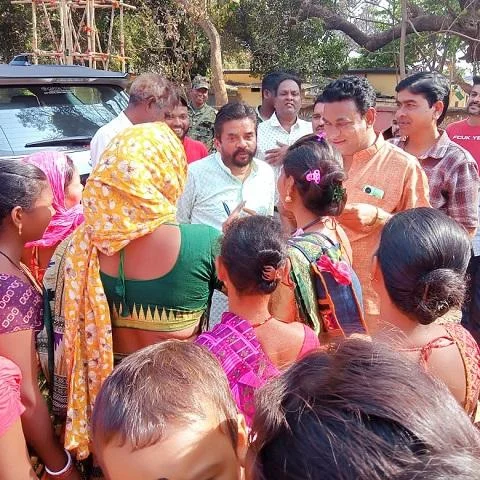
{"x": 35, "y": 113}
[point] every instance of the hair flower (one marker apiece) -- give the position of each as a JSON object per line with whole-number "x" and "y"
{"x": 339, "y": 269}
{"x": 313, "y": 176}
{"x": 338, "y": 193}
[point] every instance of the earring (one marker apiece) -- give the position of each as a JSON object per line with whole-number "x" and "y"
{"x": 20, "y": 230}
{"x": 288, "y": 199}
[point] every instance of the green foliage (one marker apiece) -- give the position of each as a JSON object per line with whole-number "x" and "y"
{"x": 15, "y": 30}
{"x": 268, "y": 30}
{"x": 159, "y": 37}
{"x": 426, "y": 50}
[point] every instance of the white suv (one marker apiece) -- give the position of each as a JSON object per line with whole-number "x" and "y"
{"x": 57, "y": 107}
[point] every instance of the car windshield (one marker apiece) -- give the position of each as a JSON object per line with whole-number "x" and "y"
{"x": 40, "y": 113}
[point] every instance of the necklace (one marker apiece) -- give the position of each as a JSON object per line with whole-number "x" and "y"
{"x": 24, "y": 270}
{"x": 262, "y": 322}
{"x": 18, "y": 267}
{"x": 301, "y": 231}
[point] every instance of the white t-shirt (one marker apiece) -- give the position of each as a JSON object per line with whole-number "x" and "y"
{"x": 105, "y": 135}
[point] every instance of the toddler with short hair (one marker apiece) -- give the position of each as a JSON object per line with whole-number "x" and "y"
{"x": 166, "y": 412}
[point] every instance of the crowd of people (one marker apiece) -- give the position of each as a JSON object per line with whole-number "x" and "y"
{"x": 245, "y": 294}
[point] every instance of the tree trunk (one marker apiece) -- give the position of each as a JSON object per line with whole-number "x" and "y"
{"x": 403, "y": 38}
{"x": 199, "y": 15}
{"x": 218, "y": 81}
{"x": 465, "y": 86}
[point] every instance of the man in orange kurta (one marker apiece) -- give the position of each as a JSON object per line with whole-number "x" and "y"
{"x": 381, "y": 178}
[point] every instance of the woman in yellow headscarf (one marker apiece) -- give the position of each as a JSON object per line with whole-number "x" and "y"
{"x": 132, "y": 276}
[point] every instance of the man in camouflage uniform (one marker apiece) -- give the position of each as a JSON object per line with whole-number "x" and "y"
{"x": 202, "y": 116}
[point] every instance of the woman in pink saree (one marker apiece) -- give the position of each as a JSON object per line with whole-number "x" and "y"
{"x": 251, "y": 345}
{"x": 64, "y": 181}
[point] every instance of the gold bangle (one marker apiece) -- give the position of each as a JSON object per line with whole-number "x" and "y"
{"x": 377, "y": 212}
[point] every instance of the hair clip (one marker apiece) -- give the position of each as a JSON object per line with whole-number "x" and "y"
{"x": 313, "y": 176}
{"x": 338, "y": 193}
{"x": 269, "y": 273}
{"x": 321, "y": 136}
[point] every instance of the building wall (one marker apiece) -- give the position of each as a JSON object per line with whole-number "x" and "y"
{"x": 384, "y": 83}
{"x": 241, "y": 76}
{"x": 246, "y": 95}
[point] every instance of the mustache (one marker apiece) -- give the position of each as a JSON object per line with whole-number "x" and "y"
{"x": 242, "y": 150}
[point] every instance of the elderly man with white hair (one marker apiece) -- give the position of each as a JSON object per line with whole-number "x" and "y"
{"x": 150, "y": 98}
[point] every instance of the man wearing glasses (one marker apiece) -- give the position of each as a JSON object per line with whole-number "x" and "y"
{"x": 381, "y": 178}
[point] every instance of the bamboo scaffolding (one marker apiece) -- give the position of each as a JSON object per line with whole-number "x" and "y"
{"x": 78, "y": 41}
{"x": 34, "y": 33}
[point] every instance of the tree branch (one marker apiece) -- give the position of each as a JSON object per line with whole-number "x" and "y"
{"x": 334, "y": 21}
{"x": 368, "y": 20}
{"x": 414, "y": 10}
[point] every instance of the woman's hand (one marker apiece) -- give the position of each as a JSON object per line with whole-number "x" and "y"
{"x": 74, "y": 475}
{"x": 236, "y": 212}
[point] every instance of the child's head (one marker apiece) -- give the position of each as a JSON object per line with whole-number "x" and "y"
{"x": 253, "y": 255}
{"x": 313, "y": 176}
{"x": 364, "y": 411}
{"x": 167, "y": 412}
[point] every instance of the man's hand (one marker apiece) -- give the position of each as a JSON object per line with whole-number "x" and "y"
{"x": 275, "y": 156}
{"x": 357, "y": 216}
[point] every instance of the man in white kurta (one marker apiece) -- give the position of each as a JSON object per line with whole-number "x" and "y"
{"x": 217, "y": 184}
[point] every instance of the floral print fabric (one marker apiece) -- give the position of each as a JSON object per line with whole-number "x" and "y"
{"x": 131, "y": 192}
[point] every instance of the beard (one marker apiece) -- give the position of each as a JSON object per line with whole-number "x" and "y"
{"x": 235, "y": 159}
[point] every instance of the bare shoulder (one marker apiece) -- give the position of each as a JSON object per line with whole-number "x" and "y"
{"x": 278, "y": 330}
{"x": 446, "y": 363}
{"x": 296, "y": 329}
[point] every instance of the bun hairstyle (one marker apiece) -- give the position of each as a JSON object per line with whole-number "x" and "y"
{"x": 309, "y": 154}
{"x": 423, "y": 256}
{"x": 253, "y": 250}
{"x": 21, "y": 185}
{"x": 329, "y": 405}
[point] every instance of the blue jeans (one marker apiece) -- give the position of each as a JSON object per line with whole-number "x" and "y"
{"x": 471, "y": 309}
